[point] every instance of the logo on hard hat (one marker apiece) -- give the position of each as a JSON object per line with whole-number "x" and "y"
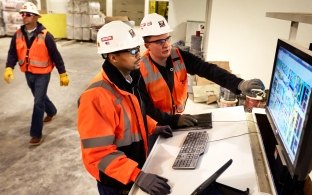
{"x": 132, "y": 33}
{"x": 103, "y": 39}
{"x": 161, "y": 23}
{"x": 142, "y": 25}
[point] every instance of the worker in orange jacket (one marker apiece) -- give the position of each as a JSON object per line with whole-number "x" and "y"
{"x": 165, "y": 68}
{"x": 34, "y": 48}
{"x": 112, "y": 121}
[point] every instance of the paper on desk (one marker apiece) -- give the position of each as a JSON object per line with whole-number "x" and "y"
{"x": 203, "y": 92}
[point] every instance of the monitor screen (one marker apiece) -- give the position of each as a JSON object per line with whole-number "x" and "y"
{"x": 289, "y": 105}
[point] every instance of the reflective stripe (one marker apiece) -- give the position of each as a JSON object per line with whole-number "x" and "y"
{"x": 178, "y": 65}
{"x": 108, "y": 87}
{"x": 108, "y": 159}
{"x": 20, "y": 62}
{"x": 180, "y": 108}
{"x": 128, "y": 137}
{"x": 19, "y": 34}
{"x": 38, "y": 63}
{"x": 152, "y": 76}
{"x": 174, "y": 54}
{"x": 98, "y": 141}
{"x": 41, "y": 36}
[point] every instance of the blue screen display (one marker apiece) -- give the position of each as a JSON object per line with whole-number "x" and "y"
{"x": 290, "y": 94}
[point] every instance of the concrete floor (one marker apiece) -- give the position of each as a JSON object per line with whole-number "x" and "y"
{"x": 54, "y": 167}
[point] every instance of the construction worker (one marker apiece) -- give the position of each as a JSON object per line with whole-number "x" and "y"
{"x": 112, "y": 121}
{"x": 164, "y": 69}
{"x": 33, "y": 47}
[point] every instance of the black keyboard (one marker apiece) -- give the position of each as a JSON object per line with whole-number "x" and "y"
{"x": 193, "y": 146}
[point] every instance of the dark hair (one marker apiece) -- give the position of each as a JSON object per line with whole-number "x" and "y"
{"x": 146, "y": 39}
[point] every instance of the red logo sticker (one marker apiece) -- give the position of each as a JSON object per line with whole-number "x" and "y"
{"x": 103, "y": 39}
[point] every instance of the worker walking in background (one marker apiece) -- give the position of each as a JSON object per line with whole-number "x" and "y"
{"x": 112, "y": 120}
{"x": 34, "y": 48}
{"x": 164, "y": 69}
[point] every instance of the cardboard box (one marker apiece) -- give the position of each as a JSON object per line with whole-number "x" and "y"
{"x": 205, "y": 93}
{"x": 205, "y": 90}
{"x": 113, "y": 18}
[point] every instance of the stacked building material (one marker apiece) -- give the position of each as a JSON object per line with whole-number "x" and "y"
{"x": 11, "y": 17}
{"x": 82, "y": 15}
{"x": 2, "y": 29}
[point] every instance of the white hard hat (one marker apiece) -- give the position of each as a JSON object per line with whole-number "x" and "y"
{"x": 154, "y": 24}
{"x": 116, "y": 36}
{"x": 30, "y": 8}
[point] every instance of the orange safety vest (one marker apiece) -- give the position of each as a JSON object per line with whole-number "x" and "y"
{"x": 36, "y": 59}
{"x": 158, "y": 88}
{"x": 109, "y": 118}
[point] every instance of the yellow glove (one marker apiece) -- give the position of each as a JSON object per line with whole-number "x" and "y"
{"x": 64, "y": 79}
{"x": 8, "y": 74}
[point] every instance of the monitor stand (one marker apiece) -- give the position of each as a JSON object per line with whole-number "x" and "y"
{"x": 284, "y": 183}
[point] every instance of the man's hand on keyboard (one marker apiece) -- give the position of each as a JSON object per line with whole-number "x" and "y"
{"x": 163, "y": 131}
{"x": 186, "y": 120}
{"x": 152, "y": 184}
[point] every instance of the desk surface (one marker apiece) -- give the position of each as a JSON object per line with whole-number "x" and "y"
{"x": 228, "y": 139}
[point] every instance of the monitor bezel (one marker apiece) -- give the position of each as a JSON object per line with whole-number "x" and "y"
{"x": 303, "y": 160}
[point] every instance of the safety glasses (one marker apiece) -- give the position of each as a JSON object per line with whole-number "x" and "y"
{"x": 161, "y": 41}
{"x": 25, "y": 14}
{"x": 133, "y": 51}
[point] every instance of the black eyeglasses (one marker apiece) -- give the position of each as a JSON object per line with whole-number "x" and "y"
{"x": 27, "y": 14}
{"x": 133, "y": 51}
{"x": 161, "y": 41}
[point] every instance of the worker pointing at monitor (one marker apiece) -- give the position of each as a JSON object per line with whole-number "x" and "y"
{"x": 164, "y": 70}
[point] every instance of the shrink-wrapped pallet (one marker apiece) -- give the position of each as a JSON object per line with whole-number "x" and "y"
{"x": 10, "y": 29}
{"x": 12, "y": 17}
{"x": 89, "y": 7}
{"x": 70, "y": 19}
{"x": 97, "y": 20}
{"x": 70, "y": 32}
{"x": 77, "y": 20}
{"x": 2, "y": 31}
{"x": 70, "y": 6}
{"x": 12, "y": 5}
{"x": 85, "y": 20}
{"x": 86, "y": 34}
{"x": 77, "y": 7}
{"x": 93, "y": 34}
{"x": 78, "y": 33}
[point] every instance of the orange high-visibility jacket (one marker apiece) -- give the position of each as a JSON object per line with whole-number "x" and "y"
{"x": 158, "y": 88}
{"x": 36, "y": 59}
{"x": 109, "y": 118}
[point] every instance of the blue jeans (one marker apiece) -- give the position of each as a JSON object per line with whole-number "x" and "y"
{"x": 38, "y": 84}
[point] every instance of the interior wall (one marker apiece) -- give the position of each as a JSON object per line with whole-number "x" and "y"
{"x": 241, "y": 33}
{"x": 181, "y": 11}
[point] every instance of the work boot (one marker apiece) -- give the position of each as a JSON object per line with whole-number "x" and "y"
{"x": 48, "y": 118}
{"x": 35, "y": 141}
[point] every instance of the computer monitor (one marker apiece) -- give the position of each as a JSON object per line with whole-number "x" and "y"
{"x": 289, "y": 106}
